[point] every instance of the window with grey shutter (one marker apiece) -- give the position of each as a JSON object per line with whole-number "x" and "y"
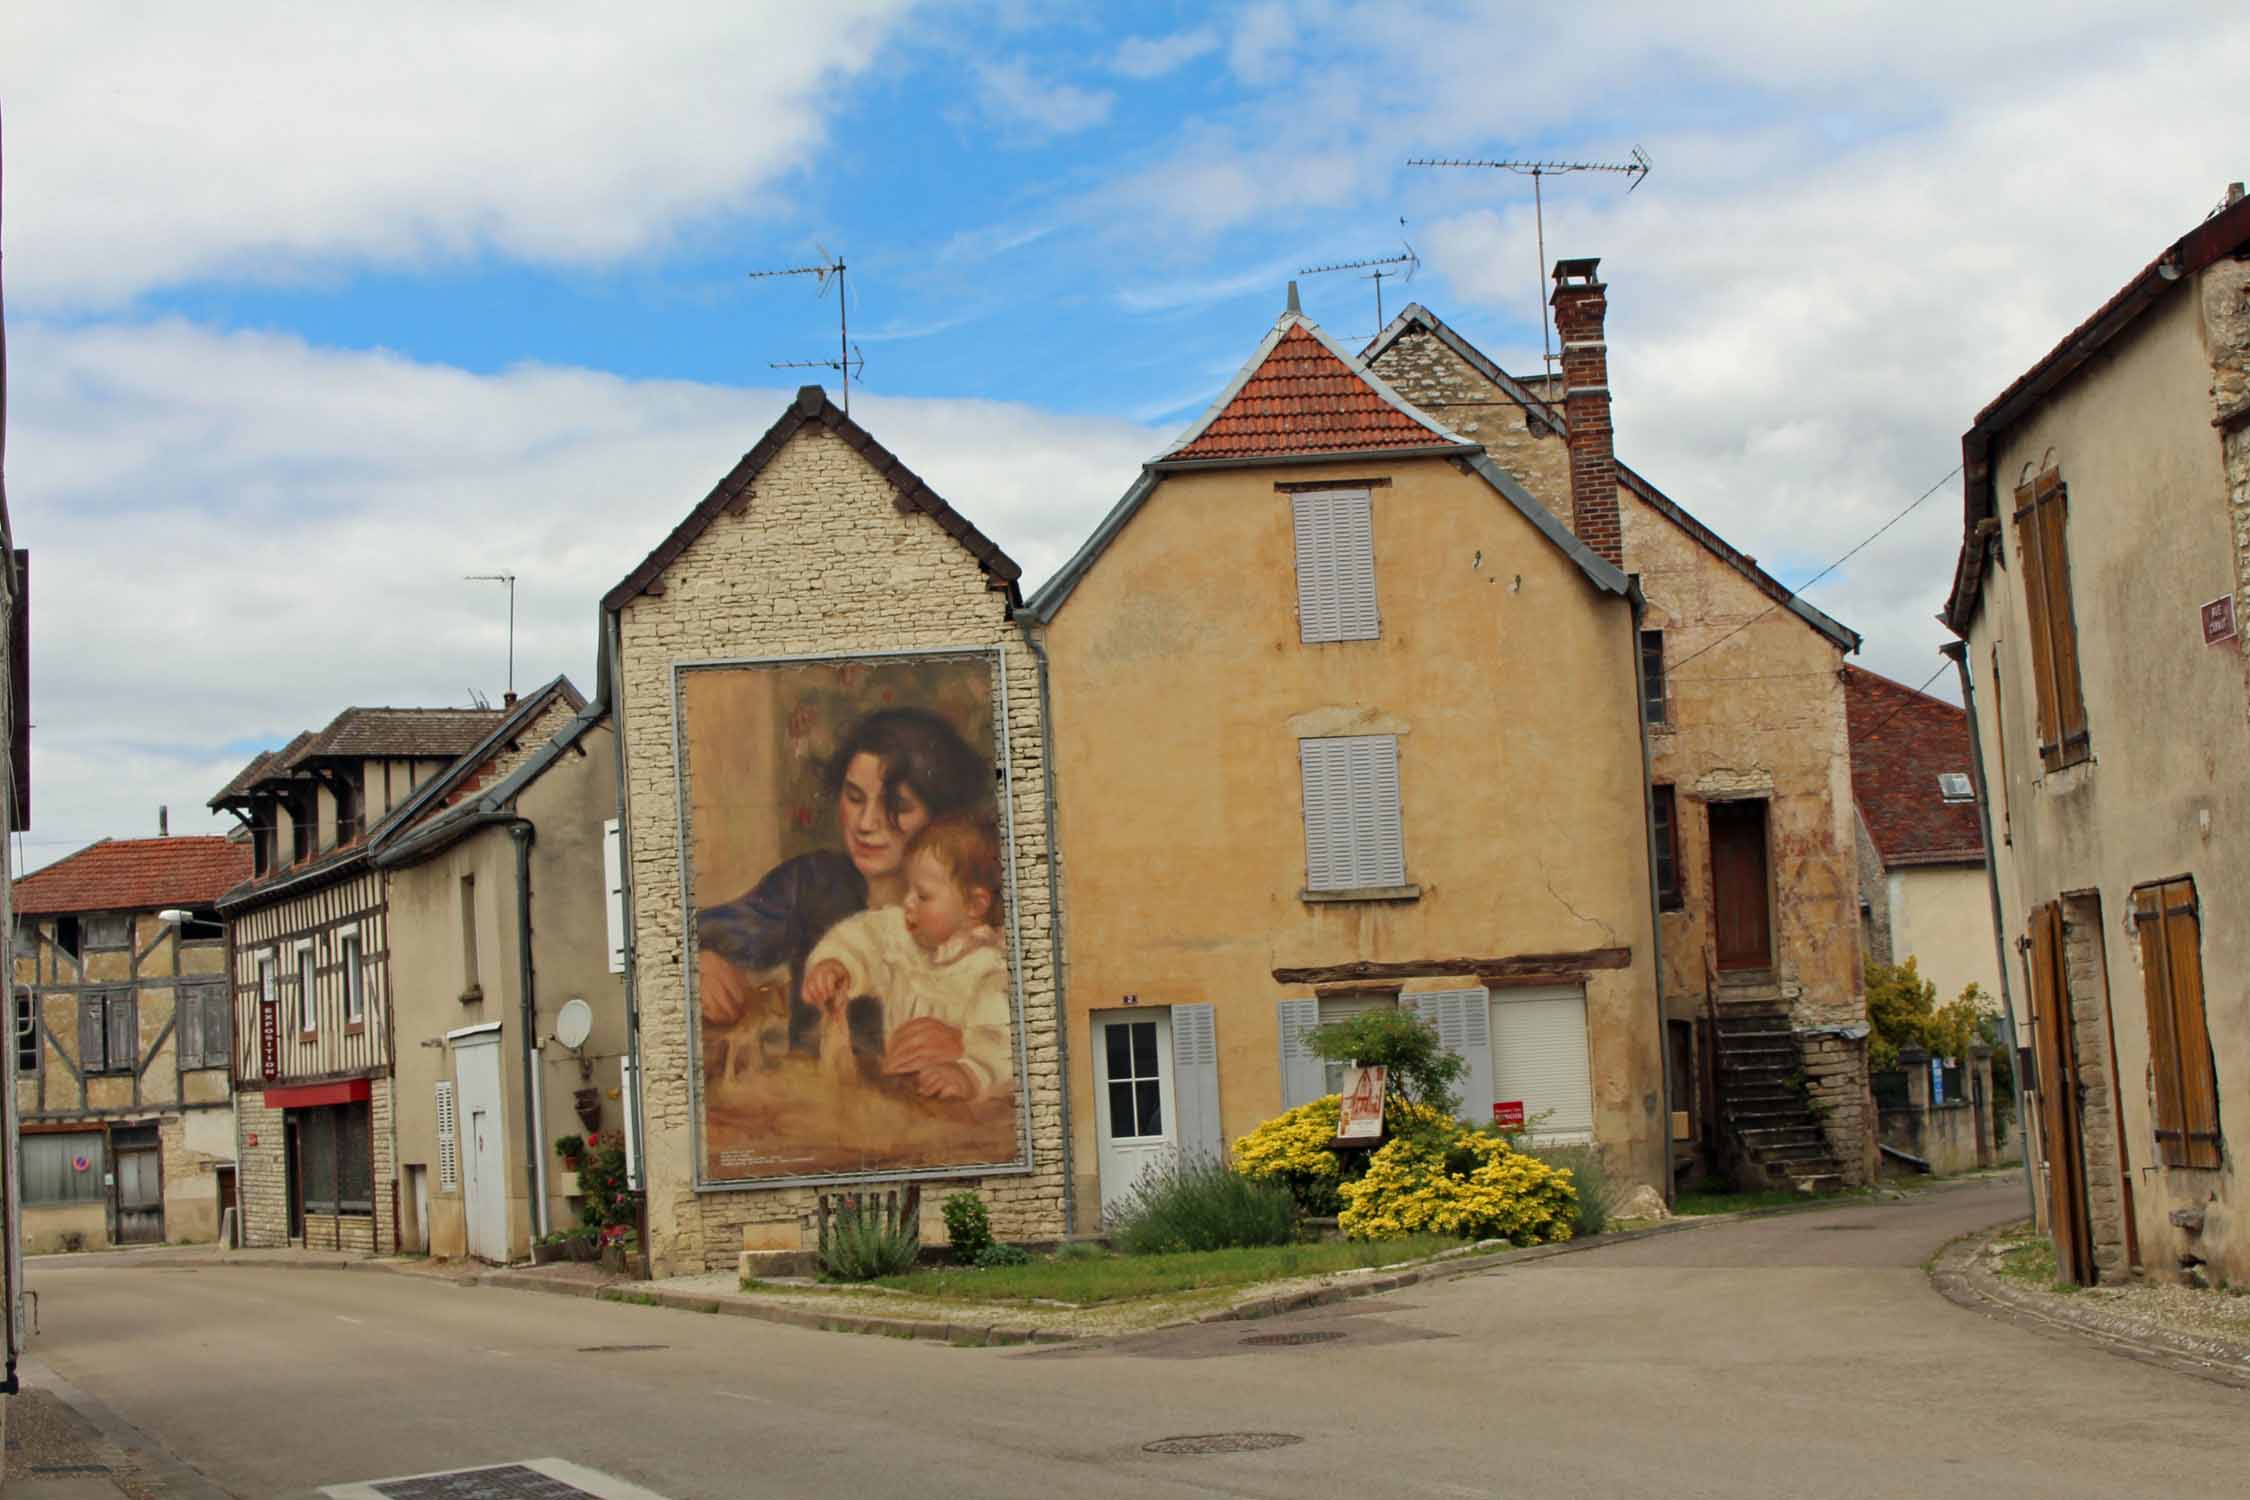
{"x": 1463, "y": 1019}
{"x": 1303, "y": 1077}
{"x": 187, "y": 1025}
{"x": 93, "y": 1035}
{"x": 218, "y": 1027}
{"x": 1335, "y": 567}
{"x": 1195, "y": 1082}
{"x": 124, "y": 1034}
{"x": 1353, "y": 838}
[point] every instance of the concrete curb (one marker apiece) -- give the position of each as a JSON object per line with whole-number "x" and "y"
{"x": 1961, "y": 1276}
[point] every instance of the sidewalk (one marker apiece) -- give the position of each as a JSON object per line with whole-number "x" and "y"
{"x": 64, "y": 1445}
{"x": 464, "y": 1271}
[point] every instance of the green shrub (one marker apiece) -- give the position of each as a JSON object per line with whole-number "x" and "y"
{"x": 864, "y": 1239}
{"x": 968, "y": 1228}
{"x": 1589, "y": 1177}
{"x": 1472, "y": 1185}
{"x": 1420, "y": 1067}
{"x": 1198, "y": 1203}
{"x": 1001, "y": 1255}
{"x": 1081, "y": 1250}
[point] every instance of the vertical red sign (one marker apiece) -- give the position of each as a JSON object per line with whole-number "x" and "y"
{"x": 269, "y": 1039}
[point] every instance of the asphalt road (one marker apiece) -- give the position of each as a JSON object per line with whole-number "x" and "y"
{"x": 1802, "y": 1355}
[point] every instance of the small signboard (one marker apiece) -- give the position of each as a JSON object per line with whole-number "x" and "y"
{"x": 1508, "y": 1115}
{"x": 2218, "y": 620}
{"x": 269, "y": 1039}
{"x": 1937, "y": 1080}
{"x": 1360, "y": 1117}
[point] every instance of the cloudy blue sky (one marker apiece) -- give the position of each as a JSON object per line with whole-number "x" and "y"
{"x": 314, "y": 309}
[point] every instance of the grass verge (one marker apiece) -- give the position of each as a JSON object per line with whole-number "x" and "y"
{"x": 1111, "y": 1278}
{"x": 2027, "y": 1258}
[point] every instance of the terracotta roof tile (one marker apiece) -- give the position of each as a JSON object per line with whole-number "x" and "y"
{"x": 1902, "y": 741}
{"x": 136, "y": 875}
{"x": 1303, "y": 399}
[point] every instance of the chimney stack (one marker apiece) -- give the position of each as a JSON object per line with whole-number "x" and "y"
{"x": 1581, "y": 304}
{"x": 163, "y": 821}
{"x": 508, "y": 699}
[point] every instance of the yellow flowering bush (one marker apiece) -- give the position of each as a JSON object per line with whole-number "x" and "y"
{"x": 1293, "y": 1147}
{"x": 1458, "y": 1182}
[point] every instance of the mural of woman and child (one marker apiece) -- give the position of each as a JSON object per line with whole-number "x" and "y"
{"x": 852, "y": 979}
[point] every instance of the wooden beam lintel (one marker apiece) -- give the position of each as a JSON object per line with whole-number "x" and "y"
{"x": 1514, "y": 967}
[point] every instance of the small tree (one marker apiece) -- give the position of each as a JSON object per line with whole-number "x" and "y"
{"x": 1421, "y": 1068}
{"x": 1903, "y": 1011}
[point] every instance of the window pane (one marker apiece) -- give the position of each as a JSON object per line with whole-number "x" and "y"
{"x": 1121, "y": 1110}
{"x": 355, "y": 1180}
{"x": 50, "y": 1168}
{"x": 1152, "y": 1108}
{"x": 316, "y": 1154}
{"x": 1120, "y": 1047}
{"x": 1144, "y": 1049}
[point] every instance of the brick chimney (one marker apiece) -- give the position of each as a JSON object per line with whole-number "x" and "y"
{"x": 1581, "y": 305}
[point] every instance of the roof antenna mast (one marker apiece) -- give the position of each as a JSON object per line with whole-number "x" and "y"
{"x": 1378, "y": 268}
{"x": 510, "y": 580}
{"x": 1637, "y": 169}
{"x": 848, "y": 361}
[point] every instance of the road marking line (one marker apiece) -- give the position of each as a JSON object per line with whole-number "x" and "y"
{"x": 746, "y": 1396}
{"x": 342, "y": 1319}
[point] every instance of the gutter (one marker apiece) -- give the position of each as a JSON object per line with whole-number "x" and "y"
{"x": 522, "y": 833}
{"x": 1958, "y": 651}
{"x": 1055, "y": 922}
{"x": 1639, "y": 603}
{"x": 606, "y": 670}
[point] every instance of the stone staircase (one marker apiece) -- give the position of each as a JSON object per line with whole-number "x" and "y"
{"x": 1762, "y": 1100}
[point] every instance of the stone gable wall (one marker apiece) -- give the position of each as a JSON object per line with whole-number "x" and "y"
{"x": 819, "y": 561}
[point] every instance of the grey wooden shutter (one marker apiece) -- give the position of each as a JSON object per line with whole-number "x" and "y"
{"x": 1195, "y": 1082}
{"x": 1320, "y": 764}
{"x": 448, "y": 1141}
{"x": 1335, "y": 567}
{"x": 613, "y": 882}
{"x": 1303, "y": 1079}
{"x": 1354, "y": 834}
{"x": 92, "y": 1034}
{"x": 1463, "y": 1019}
{"x": 124, "y": 1034}
{"x": 218, "y": 1027}
{"x": 187, "y": 1025}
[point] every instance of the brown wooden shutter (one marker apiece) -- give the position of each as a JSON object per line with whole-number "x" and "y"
{"x": 2032, "y": 552}
{"x": 2053, "y": 502}
{"x": 2058, "y": 1098}
{"x": 2000, "y": 740}
{"x": 2187, "y": 1092}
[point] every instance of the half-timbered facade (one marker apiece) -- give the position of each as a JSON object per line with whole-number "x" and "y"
{"x": 309, "y": 960}
{"x": 122, "y": 1038}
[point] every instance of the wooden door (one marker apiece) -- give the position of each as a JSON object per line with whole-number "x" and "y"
{"x": 2059, "y": 1084}
{"x": 1740, "y": 892}
{"x": 140, "y": 1196}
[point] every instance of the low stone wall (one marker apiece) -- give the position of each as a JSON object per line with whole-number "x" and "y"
{"x": 1836, "y": 1088}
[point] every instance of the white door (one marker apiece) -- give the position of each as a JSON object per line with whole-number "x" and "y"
{"x": 1539, "y": 1060}
{"x": 1132, "y": 1097}
{"x": 484, "y": 1155}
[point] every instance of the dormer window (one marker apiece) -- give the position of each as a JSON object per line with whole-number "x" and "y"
{"x": 302, "y": 827}
{"x": 261, "y": 840}
{"x": 1954, "y": 786}
{"x": 348, "y": 808}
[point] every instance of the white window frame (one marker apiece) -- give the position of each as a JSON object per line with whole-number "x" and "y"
{"x": 308, "y": 989}
{"x": 26, "y": 1023}
{"x": 1354, "y": 826}
{"x": 1335, "y": 538}
{"x": 1956, "y": 787}
{"x": 355, "y": 983}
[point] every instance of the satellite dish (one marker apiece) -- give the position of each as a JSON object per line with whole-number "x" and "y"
{"x": 574, "y": 1023}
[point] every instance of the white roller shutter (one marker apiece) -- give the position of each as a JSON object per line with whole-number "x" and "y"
{"x": 1539, "y": 1056}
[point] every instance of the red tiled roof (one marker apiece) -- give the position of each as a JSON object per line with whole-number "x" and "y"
{"x": 136, "y": 875}
{"x": 1902, "y": 741}
{"x": 1303, "y": 399}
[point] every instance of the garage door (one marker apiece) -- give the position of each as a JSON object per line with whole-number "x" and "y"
{"x": 1539, "y": 1059}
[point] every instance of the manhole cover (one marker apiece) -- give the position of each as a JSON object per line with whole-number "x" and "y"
{"x": 619, "y": 1348}
{"x": 503, "y": 1482}
{"x": 1222, "y": 1442}
{"x": 1284, "y": 1340}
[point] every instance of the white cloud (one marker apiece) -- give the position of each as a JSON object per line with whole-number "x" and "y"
{"x": 152, "y": 144}
{"x": 1154, "y": 56}
{"x": 236, "y": 535}
{"x": 1264, "y": 34}
{"x": 1013, "y": 97}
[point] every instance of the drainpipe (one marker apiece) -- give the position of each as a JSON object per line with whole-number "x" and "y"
{"x": 1639, "y": 602}
{"x": 1055, "y": 921}
{"x": 521, "y": 832}
{"x": 633, "y": 1082}
{"x": 1958, "y": 652}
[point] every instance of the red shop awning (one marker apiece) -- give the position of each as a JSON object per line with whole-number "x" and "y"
{"x": 311, "y": 1095}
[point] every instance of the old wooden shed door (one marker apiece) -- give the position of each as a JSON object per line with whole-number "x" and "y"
{"x": 140, "y": 1192}
{"x": 1739, "y": 899}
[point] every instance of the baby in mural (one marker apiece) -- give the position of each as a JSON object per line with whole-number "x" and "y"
{"x": 936, "y": 965}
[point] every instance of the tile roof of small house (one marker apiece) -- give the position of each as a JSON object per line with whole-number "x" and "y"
{"x": 1300, "y": 394}
{"x": 368, "y": 733}
{"x": 135, "y": 875}
{"x": 1902, "y": 741}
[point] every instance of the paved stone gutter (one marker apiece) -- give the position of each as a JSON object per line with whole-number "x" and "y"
{"x": 2133, "y": 1325}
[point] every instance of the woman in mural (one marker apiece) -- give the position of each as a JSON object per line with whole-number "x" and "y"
{"x": 897, "y": 770}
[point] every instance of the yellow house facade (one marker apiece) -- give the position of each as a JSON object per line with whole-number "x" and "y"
{"x": 1343, "y": 717}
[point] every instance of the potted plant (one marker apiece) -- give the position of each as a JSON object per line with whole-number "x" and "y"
{"x": 572, "y": 1150}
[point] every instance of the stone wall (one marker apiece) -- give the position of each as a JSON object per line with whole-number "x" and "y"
{"x": 262, "y": 1175}
{"x": 1836, "y": 1087}
{"x": 819, "y": 560}
{"x": 1874, "y": 897}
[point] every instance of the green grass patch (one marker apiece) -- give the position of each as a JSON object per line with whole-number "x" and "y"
{"x": 1112, "y": 1278}
{"x": 2029, "y": 1259}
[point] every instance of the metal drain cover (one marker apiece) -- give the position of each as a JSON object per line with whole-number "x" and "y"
{"x": 619, "y": 1348}
{"x": 1222, "y": 1442}
{"x": 1285, "y": 1340}
{"x": 503, "y": 1482}
{"x": 1833, "y": 1228}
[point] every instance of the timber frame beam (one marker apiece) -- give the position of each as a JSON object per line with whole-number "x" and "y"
{"x": 1514, "y": 968}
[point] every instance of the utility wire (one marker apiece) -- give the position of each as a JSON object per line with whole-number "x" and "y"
{"x": 1799, "y": 591}
{"x": 1884, "y": 722}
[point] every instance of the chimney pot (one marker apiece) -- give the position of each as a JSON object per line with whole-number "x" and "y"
{"x": 163, "y": 821}
{"x": 508, "y": 699}
{"x": 1294, "y": 306}
{"x": 1581, "y": 305}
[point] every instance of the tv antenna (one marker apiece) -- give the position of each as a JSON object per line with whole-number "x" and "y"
{"x": 848, "y": 361}
{"x": 1637, "y": 169}
{"x": 510, "y": 580}
{"x": 1378, "y": 268}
